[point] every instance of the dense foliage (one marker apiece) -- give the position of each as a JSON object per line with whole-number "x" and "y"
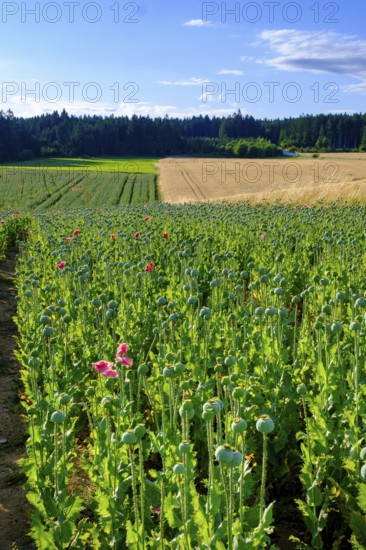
{"x": 69, "y": 135}
{"x": 194, "y": 372}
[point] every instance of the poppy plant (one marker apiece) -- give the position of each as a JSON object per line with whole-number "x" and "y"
{"x": 61, "y": 265}
{"x": 121, "y": 355}
{"x": 150, "y": 267}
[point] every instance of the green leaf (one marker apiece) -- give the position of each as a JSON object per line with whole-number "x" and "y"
{"x": 361, "y": 499}
{"x": 358, "y": 526}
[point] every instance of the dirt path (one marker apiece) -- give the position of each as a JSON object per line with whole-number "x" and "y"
{"x": 14, "y": 510}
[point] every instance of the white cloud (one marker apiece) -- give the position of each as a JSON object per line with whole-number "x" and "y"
{"x": 189, "y": 82}
{"x": 318, "y": 52}
{"x": 228, "y": 71}
{"x": 197, "y": 23}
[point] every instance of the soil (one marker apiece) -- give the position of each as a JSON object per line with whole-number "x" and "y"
{"x": 14, "y": 509}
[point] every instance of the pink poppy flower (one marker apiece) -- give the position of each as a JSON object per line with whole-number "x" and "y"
{"x": 113, "y": 236}
{"x": 76, "y": 231}
{"x": 61, "y": 265}
{"x": 110, "y": 373}
{"x": 103, "y": 366}
{"x": 122, "y": 349}
{"x": 165, "y": 235}
{"x": 137, "y": 235}
{"x": 150, "y": 267}
{"x": 263, "y": 236}
{"x": 147, "y": 218}
{"x": 2, "y": 221}
{"x": 68, "y": 239}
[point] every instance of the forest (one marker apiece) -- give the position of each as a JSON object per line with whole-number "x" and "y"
{"x": 65, "y": 135}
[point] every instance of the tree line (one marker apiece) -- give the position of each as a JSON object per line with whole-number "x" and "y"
{"x": 61, "y": 134}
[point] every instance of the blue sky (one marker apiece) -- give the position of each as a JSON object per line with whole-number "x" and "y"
{"x": 268, "y": 58}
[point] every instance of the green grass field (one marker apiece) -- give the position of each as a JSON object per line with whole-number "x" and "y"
{"x": 128, "y": 165}
{"x": 63, "y": 183}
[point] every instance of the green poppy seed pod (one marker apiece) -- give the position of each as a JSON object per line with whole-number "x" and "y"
{"x": 165, "y": 324}
{"x": 173, "y": 317}
{"x": 34, "y": 362}
{"x": 169, "y": 372}
{"x": 363, "y": 453}
{"x": 360, "y": 302}
{"x": 45, "y": 320}
{"x": 111, "y": 313}
{"x": 139, "y": 430}
{"x": 190, "y": 413}
{"x": 179, "y": 469}
{"x": 184, "y": 447}
{"x": 229, "y": 361}
{"x": 217, "y": 404}
{"x": 28, "y": 293}
{"x": 156, "y": 330}
{"x": 162, "y": 301}
{"x": 278, "y": 291}
{"x": 96, "y": 303}
{"x": 327, "y": 310}
{"x": 259, "y": 311}
{"x": 112, "y": 304}
{"x": 336, "y": 327}
{"x": 301, "y": 390}
{"x": 58, "y": 417}
{"x": 67, "y": 319}
{"x": 236, "y": 460}
{"x": 205, "y": 313}
{"x": 47, "y": 332}
{"x": 143, "y": 369}
{"x": 239, "y": 425}
{"x": 192, "y": 301}
{"x": 296, "y": 299}
{"x": 363, "y": 472}
{"x": 238, "y": 392}
{"x": 355, "y": 326}
{"x": 265, "y": 424}
{"x": 187, "y": 405}
{"x": 224, "y": 454}
{"x": 65, "y": 399}
{"x": 61, "y": 303}
{"x": 225, "y": 381}
{"x": 208, "y": 414}
{"x": 129, "y": 437}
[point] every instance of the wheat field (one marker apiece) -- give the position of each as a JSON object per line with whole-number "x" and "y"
{"x": 330, "y": 177}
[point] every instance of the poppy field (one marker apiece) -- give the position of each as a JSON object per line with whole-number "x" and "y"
{"x": 195, "y": 376}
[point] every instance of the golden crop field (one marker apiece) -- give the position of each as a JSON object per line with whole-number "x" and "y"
{"x": 331, "y": 176}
